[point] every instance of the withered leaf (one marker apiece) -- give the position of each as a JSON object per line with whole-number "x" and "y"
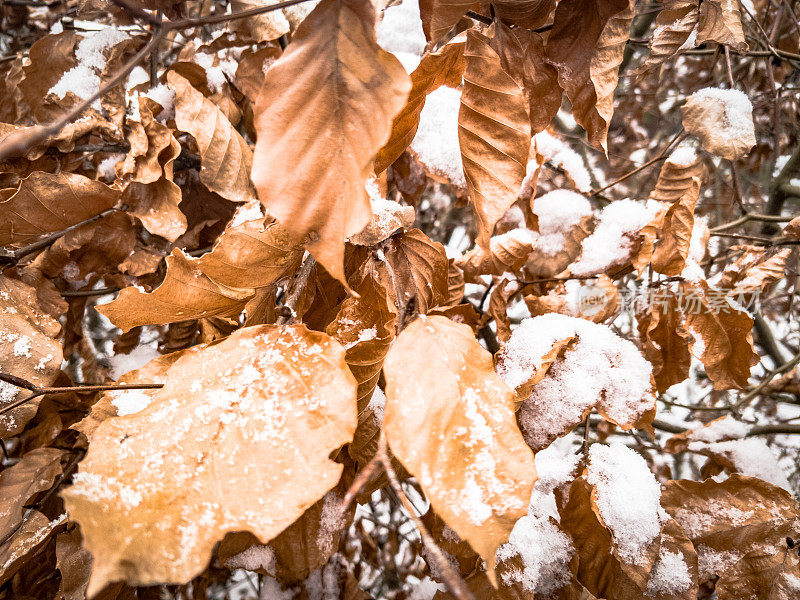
{"x": 755, "y": 269}
{"x": 507, "y": 254}
{"x": 26, "y": 541}
{"x": 671, "y": 30}
{"x": 723, "y": 338}
{"x": 738, "y": 527}
{"x": 46, "y": 202}
{"x": 34, "y": 473}
{"x": 586, "y": 46}
{"x": 74, "y": 563}
{"x": 529, "y": 14}
{"x": 665, "y": 342}
{"x": 154, "y": 476}
{"x": 225, "y": 156}
{"x": 450, "y": 421}
{"x": 28, "y": 349}
{"x": 251, "y": 255}
{"x": 320, "y": 123}
{"x": 677, "y": 173}
{"x": 670, "y": 253}
{"x": 261, "y": 28}
{"x": 494, "y": 133}
{"x": 722, "y": 120}
{"x": 185, "y": 294}
{"x": 445, "y": 66}
{"x": 721, "y": 22}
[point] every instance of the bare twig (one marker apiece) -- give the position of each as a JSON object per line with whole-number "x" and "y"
{"x": 79, "y": 389}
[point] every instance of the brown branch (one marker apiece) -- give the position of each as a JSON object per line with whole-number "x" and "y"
{"x": 10, "y": 258}
{"x": 79, "y": 389}
{"x": 750, "y": 217}
{"x": 300, "y": 283}
{"x": 451, "y": 577}
{"x": 222, "y": 18}
{"x": 661, "y": 156}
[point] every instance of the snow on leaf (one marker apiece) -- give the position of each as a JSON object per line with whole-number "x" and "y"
{"x": 238, "y": 439}
{"x": 449, "y": 420}
{"x": 722, "y": 120}
{"x": 598, "y": 369}
{"x": 311, "y": 164}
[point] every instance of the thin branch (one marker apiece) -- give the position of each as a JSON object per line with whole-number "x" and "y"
{"x": 9, "y": 258}
{"x": 222, "y": 18}
{"x": 451, "y": 577}
{"x": 79, "y": 389}
{"x": 297, "y": 289}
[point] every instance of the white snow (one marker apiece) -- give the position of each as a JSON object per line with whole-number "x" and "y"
{"x": 564, "y": 157}
{"x": 166, "y": 98}
{"x": 558, "y": 211}
{"x": 736, "y": 122}
{"x": 628, "y": 498}
{"x": 106, "y": 168}
{"x": 400, "y": 32}
{"x": 613, "y": 239}
{"x": 436, "y": 142}
{"x": 253, "y": 558}
{"x": 720, "y": 429}
{"x": 670, "y": 574}
{"x": 83, "y": 80}
{"x": 216, "y": 76}
{"x": 749, "y": 456}
{"x": 135, "y": 359}
{"x": 600, "y": 369}
{"x": 683, "y": 156}
{"x": 250, "y": 211}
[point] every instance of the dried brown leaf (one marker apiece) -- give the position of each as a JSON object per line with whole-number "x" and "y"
{"x": 185, "y": 294}
{"x": 529, "y": 14}
{"x": 46, "y": 202}
{"x": 672, "y": 249}
{"x": 677, "y": 174}
{"x": 507, "y": 254}
{"x": 439, "y": 16}
{"x": 672, "y": 29}
{"x": 28, "y": 349}
{"x": 35, "y": 472}
{"x": 665, "y": 342}
{"x": 723, "y": 338}
{"x": 450, "y": 421}
{"x": 225, "y": 156}
{"x": 320, "y": 123}
{"x": 25, "y": 543}
{"x": 722, "y": 120}
{"x": 494, "y": 134}
{"x": 154, "y": 476}
{"x": 721, "y": 22}
{"x": 586, "y": 46}
{"x": 251, "y": 255}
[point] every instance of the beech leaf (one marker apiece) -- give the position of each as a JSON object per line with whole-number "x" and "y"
{"x": 670, "y": 254}
{"x": 224, "y": 154}
{"x": 321, "y": 122}
{"x": 185, "y": 294}
{"x": 494, "y": 133}
{"x": 450, "y": 421}
{"x": 158, "y": 488}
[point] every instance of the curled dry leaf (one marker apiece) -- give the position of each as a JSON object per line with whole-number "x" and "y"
{"x": 388, "y": 218}
{"x": 35, "y": 472}
{"x": 738, "y": 528}
{"x": 46, "y": 202}
{"x": 185, "y": 294}
{"x": 494, "y": 134}
{"x": 677, "y": 173}
{"x": 723, "y": 338}
{"x": 281, "y": 392}
{"x": 439, "y": 16}
{"x": 28, "y": 349}
{"x": 529, "y": 14}
{"x": 722, "y": 120}
{"x": 600, "y": 568}
{"x": 366, "y": 326}
{"x": 261, "y": 28}
{"x": 445, "y": 66}
{"x": 755, "y": 270}
{"x": 672, "y": 249}
{"x": 225, "y": 156}
{"x": 251, "y": 255}
{"x": 450, "y": 421}
{"x": 665, "y": 342}
{"x": 721, "y": 22}
{"x": 792, "y": 229}
{"x": 320, "y": 123}
{"x": 507, "y": 254}
{"x": 26, "y": 542}
{"x": 672, "y": 29}
{"x": 586, "y": 47}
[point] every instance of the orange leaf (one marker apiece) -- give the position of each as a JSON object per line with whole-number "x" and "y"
{"x": 325, "y": 110}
